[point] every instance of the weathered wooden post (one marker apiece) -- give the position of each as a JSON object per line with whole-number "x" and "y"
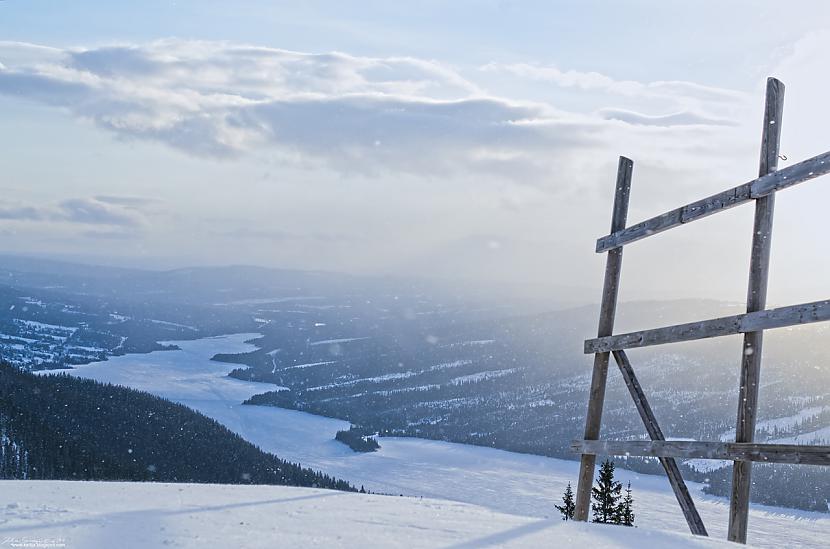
{"x": 756, "y": 300}
{"x": 608, "y": 308}
{"x": 752, "y": 324}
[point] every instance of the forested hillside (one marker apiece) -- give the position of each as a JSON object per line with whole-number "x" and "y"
{"x": 520, "y": 383}
{"x": 61, "y": 427}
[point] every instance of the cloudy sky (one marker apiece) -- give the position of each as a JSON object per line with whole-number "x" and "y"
{"x": 465, "y": 139}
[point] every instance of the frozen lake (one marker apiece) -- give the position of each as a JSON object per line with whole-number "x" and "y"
{"x": 514, "y": 483}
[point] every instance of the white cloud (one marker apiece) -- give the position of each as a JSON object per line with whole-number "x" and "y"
{"x": 106, "y": 211}
{"x": 129, "y": 201}
{"x": 677, "y": 90}
{"x": 23, "y": 54}
{"x": 682, "y": 118}
{"x": 354, "y": 114}
{"x": 18, "y": 212}
{"x": 95, "y": 212}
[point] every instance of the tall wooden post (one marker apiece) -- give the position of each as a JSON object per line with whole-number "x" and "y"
{"x": 608, "y": 309}
{"x": 756, "y": 301}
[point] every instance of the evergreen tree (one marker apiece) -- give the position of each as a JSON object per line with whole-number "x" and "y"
{"x": 627, "y": 508}
{"x": 61, "y": 427}
{"x": 567, "y": 508}
{"x": 606, "y": 495}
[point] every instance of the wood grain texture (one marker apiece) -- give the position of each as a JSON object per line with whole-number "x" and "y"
{"x": 763, "y": 186}
{"x": 792, "y": 315}
{"x": 608, "y": 308}
{"x": 745, "y": 451}
{"x": 756, "y": 301}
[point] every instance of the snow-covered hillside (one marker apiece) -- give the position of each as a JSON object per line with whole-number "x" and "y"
{"x": 106, "y": 515}
{"x": 521, "y": 484}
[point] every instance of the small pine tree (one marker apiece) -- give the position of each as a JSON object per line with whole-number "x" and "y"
{"x": 627, "y": 508}
{"x": 567, "y": 508}
{"x": 606, "y": 495}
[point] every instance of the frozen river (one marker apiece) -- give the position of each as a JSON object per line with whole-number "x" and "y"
{"x": 509, "y": 482}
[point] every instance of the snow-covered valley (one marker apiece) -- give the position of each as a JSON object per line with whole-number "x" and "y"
{"x": 506, "y": 482}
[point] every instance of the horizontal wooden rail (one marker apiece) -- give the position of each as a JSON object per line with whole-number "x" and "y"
{"x": 805, "y": 313}
{"x": 734, "y": 451}
{"x": 763, "y": 186}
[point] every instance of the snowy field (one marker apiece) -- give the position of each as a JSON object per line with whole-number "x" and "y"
{"x": 117, "y": 515}
{"x": 504, "y": 482}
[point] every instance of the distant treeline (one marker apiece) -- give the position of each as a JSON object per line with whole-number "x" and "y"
{"x": 799, "y": 486}
{"x": 61, "y": 427}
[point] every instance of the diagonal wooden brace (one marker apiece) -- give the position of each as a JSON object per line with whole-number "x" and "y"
{"x": 681, "y": 492}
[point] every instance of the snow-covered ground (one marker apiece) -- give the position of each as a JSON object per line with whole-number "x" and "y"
{"x": 107, "y": 515}
{"x": 506, "y": 482}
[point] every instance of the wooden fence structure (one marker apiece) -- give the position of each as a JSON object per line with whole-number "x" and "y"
{"x": 752, "y": 324}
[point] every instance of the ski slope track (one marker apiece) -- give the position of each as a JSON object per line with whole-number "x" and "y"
{"x": 499, "y": 483}
{"x": 106, "y": 515}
